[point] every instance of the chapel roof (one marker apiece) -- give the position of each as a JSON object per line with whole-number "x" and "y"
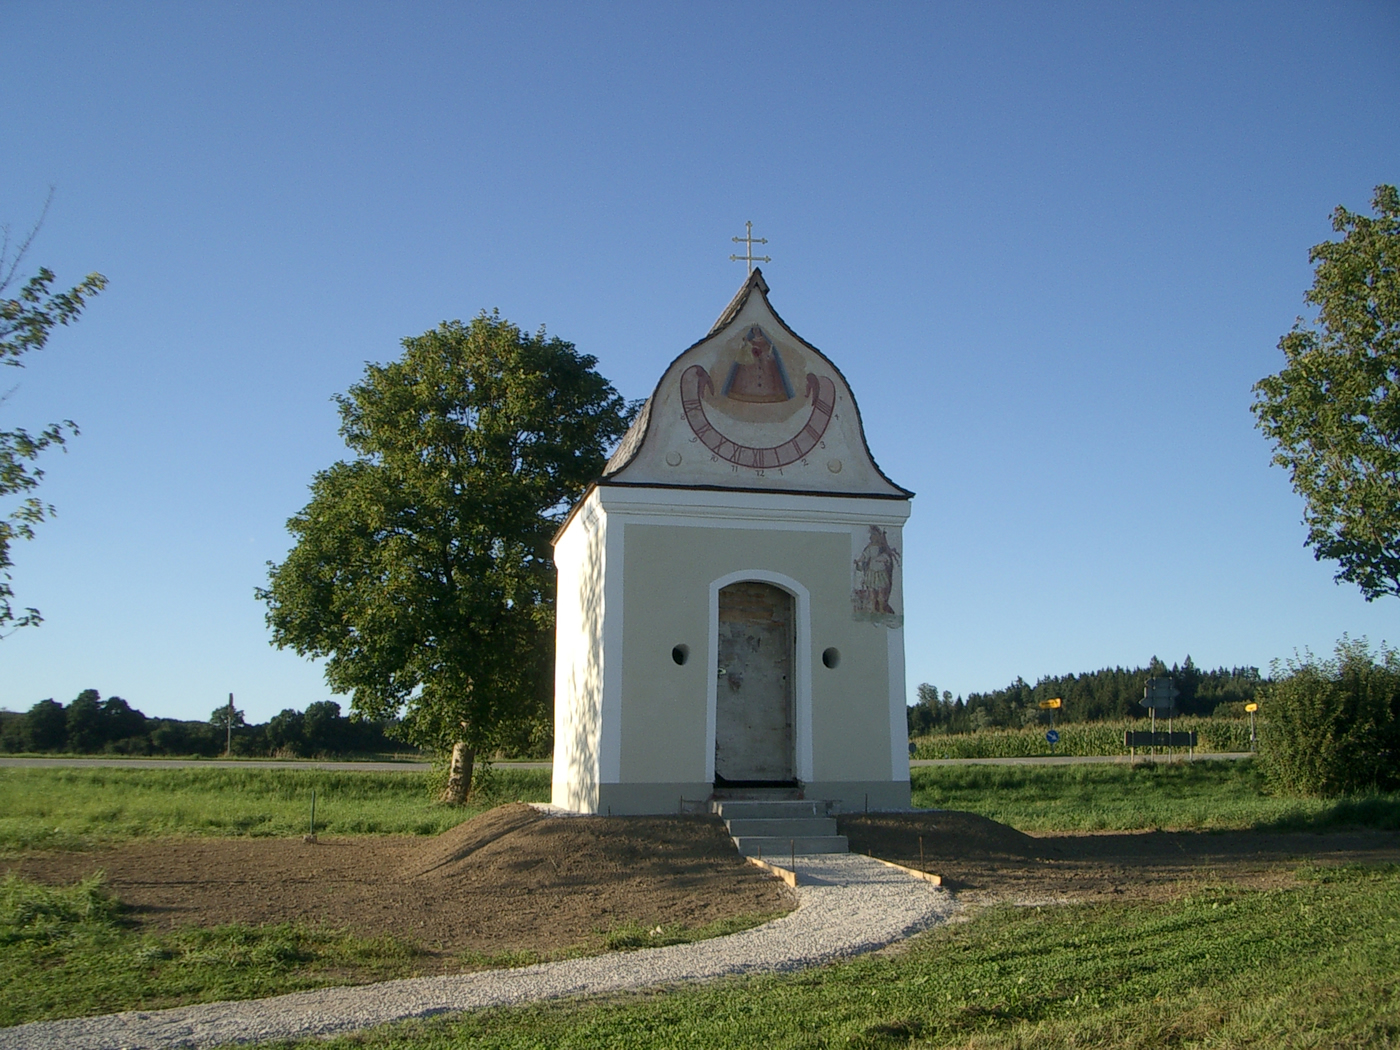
{"x": 751, "y": 406}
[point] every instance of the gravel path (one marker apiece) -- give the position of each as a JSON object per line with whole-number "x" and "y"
{"x": 847, "y": 904}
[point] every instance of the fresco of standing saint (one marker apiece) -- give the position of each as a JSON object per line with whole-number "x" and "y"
{"x": 874, "y": 580}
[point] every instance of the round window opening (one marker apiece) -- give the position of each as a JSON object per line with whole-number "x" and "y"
{"x": 680, "y": 654}
{"x": 831, "y": 657}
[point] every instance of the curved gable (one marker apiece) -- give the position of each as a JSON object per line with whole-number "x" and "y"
{"x": 751, "y": 406}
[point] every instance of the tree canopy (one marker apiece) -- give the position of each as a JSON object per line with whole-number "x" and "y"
{"x": 422, "y": 570}
{"x": 25, "y": 324}
{"x": 1333, "y": 412}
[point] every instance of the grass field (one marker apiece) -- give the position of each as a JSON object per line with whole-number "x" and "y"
{"x": 66, "y": 953}
{"x": 1312, "y": 965}
{"x": 1180, "y": 796}
{"x": 63, "y": 808}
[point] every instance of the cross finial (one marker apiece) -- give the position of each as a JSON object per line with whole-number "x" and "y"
{"x": 750, "y": 240}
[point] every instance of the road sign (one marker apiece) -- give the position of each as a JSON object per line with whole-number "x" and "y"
{"x": 1251, "y": 708}
{"x": 1159, "y": 694}
{"x": 1053, "y": 736}
{"x": 1051, "y": 705}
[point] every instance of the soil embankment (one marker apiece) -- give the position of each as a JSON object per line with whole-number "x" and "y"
{"x": 509, "y": 880}
{"x": 984, "y": 862}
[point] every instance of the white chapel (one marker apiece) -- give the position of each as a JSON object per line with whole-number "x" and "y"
{"x": 730, "y": 603}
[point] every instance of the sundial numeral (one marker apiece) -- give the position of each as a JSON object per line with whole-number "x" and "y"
{"x": 714, "y": 459}
{"x": 821, "y": 444}
{"x": 761, "y": 473}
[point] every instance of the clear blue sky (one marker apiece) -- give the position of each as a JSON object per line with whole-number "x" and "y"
{"x": 1051, "y": 246}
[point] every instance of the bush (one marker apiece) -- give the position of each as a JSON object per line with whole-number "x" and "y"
{"x": 1332, "y": 727}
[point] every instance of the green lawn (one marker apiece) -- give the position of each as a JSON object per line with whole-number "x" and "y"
{"x": 1313, "y": 965}
{"x": 1310, "y": 965}
{"x": 1210, "y": 795}
{"x": 67, "y": 953}
{"x": 64, "y": 808}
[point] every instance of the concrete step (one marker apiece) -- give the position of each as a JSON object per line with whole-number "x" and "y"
{"x": 751, "y": 809}
{"x": 793, "y": 827}
{"x": 777, "y": 848}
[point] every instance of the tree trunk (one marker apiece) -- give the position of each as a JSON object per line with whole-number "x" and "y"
{"x": 459, "y": 775}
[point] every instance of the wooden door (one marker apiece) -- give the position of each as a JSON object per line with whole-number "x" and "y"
{"x": 754, "y": 693}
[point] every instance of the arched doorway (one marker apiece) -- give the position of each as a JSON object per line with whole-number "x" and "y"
{"x": 754, "y": 701}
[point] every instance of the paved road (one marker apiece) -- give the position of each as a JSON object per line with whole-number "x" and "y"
{"x": 217, "y": 763}
{"x": 418, "y": 767}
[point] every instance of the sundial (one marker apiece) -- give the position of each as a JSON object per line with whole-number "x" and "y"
{"x": 752, "y": 394}
{"x": 756, "y": 393}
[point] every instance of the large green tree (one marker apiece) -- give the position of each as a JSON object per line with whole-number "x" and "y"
{"x": 26, "y": 320}
{"x": 1333, "y": 412}
{"x": 422, "y": 569}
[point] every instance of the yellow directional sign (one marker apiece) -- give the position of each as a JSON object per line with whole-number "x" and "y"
{"x": 1251, "y": 708}
{"x": 1049, "y": 704}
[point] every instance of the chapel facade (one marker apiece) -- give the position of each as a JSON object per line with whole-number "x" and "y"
{"x": 730, "y": 598}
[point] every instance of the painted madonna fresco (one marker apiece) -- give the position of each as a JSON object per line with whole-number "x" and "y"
{"x": 759, "y": 419}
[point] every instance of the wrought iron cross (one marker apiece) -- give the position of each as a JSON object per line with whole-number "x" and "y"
{"x": 750, "y": 240}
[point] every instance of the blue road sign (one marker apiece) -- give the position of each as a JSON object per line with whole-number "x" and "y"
{"x": 1053, "y": 736}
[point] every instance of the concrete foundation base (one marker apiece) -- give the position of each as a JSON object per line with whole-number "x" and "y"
{"x": 851, "y": 796}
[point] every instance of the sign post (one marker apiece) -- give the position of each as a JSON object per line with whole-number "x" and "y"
{"x": 1251, "y": 708}
{"x": 1052, "y": 705}
{"x": 1160, "y": 693}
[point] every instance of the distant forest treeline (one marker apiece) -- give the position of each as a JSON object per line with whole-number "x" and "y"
{"x": 91, "y": 725}
{"x": 1110, "y": 693}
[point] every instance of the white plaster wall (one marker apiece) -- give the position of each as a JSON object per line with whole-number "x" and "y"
{"x": 579, "y": 659}
{"x": 675, "y": 549}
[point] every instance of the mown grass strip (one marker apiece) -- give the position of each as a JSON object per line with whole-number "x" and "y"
{"x": 1200, "y": 796}
{"x": 1311, "y": 965}
{"x": 66, "y": 808}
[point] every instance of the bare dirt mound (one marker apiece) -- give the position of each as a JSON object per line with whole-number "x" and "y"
{"x": 510, "y": 880}
{"x": 986, "y": 862}
{"x": 466, "y": 838}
